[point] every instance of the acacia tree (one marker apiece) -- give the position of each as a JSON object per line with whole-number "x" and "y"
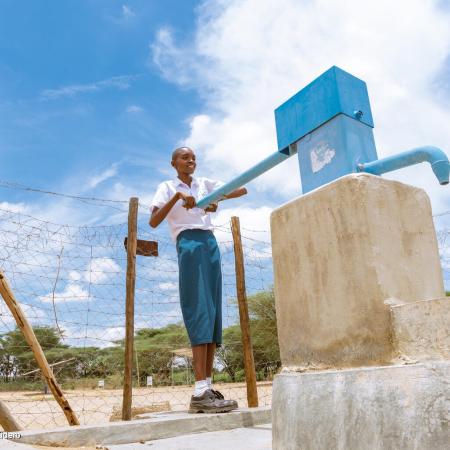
{"x": 263, "y": 329}
{"x": 155, "y": 346}
{"x": 15, "y": 354}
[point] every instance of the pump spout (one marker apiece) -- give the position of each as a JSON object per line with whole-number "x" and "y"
{"x": 435, "y": 156}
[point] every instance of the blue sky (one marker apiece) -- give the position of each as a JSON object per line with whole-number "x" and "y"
{"x": 94, "y": 95}
{"x": 79, "y": 92}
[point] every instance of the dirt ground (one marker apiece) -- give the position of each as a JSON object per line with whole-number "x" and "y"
{"x": 36, "y": 411}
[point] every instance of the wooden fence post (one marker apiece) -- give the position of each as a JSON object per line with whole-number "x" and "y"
{"x": 36, "y": 348}
{"x": 129, "y": 308}
{"x": 7, "y": 421}
{"x": 249, "y": 362}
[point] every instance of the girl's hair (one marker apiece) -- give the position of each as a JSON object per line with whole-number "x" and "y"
{"x": 178, "y": 150}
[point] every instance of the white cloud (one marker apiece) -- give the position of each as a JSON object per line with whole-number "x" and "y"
{"x": 250, "y": 56}
{"x": 103, "y": 176}
{"x": 96, "y": 336}
{"x": 14, "y": 207}
{"x": 254, "y": 223}
{"x": 71, "y": 293}
{"x": 101, "y": 269}
{"x": 127, "y": 12}
{"x": 122, "y": 82}
{"x": 172, "y": 59}
{"x": 33, "y": 314}
{"x": 134, "y": 109}
{"x": 74, "y": 275}
{"x": 168, "y": 286}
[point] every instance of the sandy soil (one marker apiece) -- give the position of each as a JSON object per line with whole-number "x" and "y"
{"x": 36, "y": 411}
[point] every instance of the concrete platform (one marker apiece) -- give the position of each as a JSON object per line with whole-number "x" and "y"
{"x": 158, "y": 426}
{"x": 6, "y": 444}
{"x": 421, "y": 330}
{"x": 251, "y": 438}
{"x": 390, "y": 407}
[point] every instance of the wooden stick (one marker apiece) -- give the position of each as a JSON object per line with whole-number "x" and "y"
{"x": 129, "y": 308}
{"x": 249, "y": 362}
{"x": 32, "y": 341}
{"x": 7, "y": 421}
{"x": 51, "y": 365}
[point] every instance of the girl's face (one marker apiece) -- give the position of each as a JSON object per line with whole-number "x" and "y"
{"x": 185, "y": 161}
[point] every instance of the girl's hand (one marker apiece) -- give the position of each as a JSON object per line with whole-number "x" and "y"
{"x": 211, "y": 208}
{"x": 188, "y": 201}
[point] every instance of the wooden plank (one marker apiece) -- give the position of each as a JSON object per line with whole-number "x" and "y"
{"x": 35, "y": 347}
{"x": 144, "y": 248}
{"x": 249, "y": 362}
{"x": 129, "y": 307}
{"x": 7, "y": 421}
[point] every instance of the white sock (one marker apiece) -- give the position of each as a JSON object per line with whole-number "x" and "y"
{"x": 200, "y": 387}
{"x": 209, "y": 381}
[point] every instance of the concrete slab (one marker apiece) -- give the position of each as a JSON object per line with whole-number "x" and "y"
{"x": 391, "y": 407}
{"x": 421, "y": 330}
{"x": 6, "y": 444}
{"x": 251, "y": 438}
{"x": 159, "y": 426}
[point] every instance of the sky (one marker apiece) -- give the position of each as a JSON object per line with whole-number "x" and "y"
{"x": 95, "y": 95}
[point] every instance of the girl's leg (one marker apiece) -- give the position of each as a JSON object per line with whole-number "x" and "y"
{"x": 210, "y": 358}
{"x": 199, "y": 353}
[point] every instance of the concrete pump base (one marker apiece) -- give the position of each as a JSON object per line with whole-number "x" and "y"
{"x": 390, "y": 407}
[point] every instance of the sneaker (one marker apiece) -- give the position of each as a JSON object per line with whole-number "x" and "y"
{"x": 220, "y": 396}
{"x": 208, "y": 403}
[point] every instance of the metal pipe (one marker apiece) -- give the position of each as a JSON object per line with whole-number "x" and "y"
{"x": 435, "y": 156}
{"x": 250, "y": 174}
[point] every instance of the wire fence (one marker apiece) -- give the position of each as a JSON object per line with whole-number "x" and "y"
{"x": 70, "y": 282}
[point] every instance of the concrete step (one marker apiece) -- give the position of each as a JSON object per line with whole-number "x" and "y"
{"x": 157, "y": 426}
{"x": 421, "y": 330}
{"x": 250, "y": 438}
{"x": 376, "y": 408}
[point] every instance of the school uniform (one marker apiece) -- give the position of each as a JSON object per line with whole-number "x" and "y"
{"x": 200, "y": 275}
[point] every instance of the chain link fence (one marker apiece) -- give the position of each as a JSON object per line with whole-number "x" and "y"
{"x": 70, "y": 282}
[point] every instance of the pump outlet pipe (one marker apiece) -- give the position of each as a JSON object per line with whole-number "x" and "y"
{"x": 435, "y": 156}
{"x": 255, "y": 171}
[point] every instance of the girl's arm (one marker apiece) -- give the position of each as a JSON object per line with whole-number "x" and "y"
{"x": 239, "y": 192}
{"x": 159, "y": 214}
{"x": 234, "y": 194}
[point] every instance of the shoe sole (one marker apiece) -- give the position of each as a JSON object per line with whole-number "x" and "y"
{"x": 224, "y": 409}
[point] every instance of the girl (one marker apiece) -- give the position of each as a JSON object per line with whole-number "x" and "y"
{"x": 200, "y": 277}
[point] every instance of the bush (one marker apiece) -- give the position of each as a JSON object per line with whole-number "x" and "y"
{"x": 21, "y": 385}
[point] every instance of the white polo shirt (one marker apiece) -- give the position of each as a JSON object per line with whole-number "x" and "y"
{"x": 180, "y": 218}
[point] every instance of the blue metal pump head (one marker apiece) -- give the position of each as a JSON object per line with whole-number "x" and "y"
{"x": 329, "y": 125}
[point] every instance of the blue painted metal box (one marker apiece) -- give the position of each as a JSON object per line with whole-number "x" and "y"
{"x": 329, "y": 123}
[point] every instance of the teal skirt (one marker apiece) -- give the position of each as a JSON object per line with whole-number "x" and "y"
{"x": 200, "y": 284}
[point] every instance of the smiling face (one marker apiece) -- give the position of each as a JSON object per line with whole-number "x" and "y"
{"x": 183, "y": 160}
